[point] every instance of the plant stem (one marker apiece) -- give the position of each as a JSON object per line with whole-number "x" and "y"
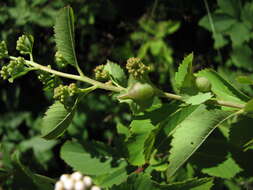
{"x": 110, "y": 87}
{"x": 230, "y": 104}
{"x": 219, "y": 102}
{"x": 74, "y": 77}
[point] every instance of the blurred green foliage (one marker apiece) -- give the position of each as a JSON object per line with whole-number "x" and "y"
{"x": 159, "y": 32}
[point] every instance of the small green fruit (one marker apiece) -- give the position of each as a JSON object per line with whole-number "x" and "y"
{"x": 139, "y": 92}
{"x": 203, "y": 84}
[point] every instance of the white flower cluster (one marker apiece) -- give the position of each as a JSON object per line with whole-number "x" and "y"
{"x": 75, "y": 181}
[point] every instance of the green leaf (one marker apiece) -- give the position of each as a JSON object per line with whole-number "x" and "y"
{"x": 190, "y": 184}
{"x": 116, "y": 73}
{"x": 228, "y": 169}
{"x": 156, "y": 46}
{"x": 242, "y": 57}
{"x": 184, "y": 77}
{"x": 191, "y": 133}
{"x": 230, "y": 7}
{"x": 222, "y": 22}
{"x": 244, "y": 80}
{"x": 140, "y": 130}
{"x": 137, "y": 182}
{"x": 198, "y": 99}
{"x": 123, "y": 130}
{"x": 239, "y": 33}
{"x": 142, "y": 52}
{"x": 221, "y": 88}
{"x": 114, "y": 178}
{"x": 64, "y": 35}
{"x": 247, "y": 13}
{"x": 41, "y": 148}
{"x": 56, "y": 120}
{"x": 80, "y": 160}
{"x": 219, "y": 40}
{"x": 249, "y": 107}
{"x": 22, "y": 175}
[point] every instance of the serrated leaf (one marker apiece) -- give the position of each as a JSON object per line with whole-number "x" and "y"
{"x": 184, "y": 77}
{"x": 56, "y": 120}
{"x": 140, "y": 130}
{"x": 228, "y": 169}
{"x": 64, "y": 35}
{"x": 137, "y": 182}
{"x": 80, "y": 160}
{"x": 114, "y": 178}
{"x": 116, "y": 73}
{"x": 191, "y": 133}
{"x": 222, "y": 88}
{"x": 189, "y": 184}
{"x": 198, "y": 99}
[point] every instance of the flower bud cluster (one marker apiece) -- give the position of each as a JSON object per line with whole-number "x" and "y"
{"x": 44, "y": 77}
{"x": 14, "y": 67}
{"x": 63, "y": 93}
{"x": 100, "y": 73}
{"x": 25, "y": 44}
{"x": 136, "y": 67}
{"x": 75, "y": 181}
{"x": 60, "y": 61}
{"x": 3, "y": 50}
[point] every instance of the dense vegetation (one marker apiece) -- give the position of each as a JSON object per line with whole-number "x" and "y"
{"x": 137, "y": 95}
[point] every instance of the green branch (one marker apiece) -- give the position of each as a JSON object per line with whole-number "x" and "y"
{"x": 113, "y": 88}
{"x": 218, "y": 102}
{"x": 71, "y": 76}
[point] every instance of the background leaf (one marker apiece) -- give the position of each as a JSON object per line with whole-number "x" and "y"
{"x": 29, "y": 181}
{"x": 228, "y": 169}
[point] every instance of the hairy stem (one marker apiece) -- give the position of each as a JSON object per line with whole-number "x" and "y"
{"x": 71, "y": 76}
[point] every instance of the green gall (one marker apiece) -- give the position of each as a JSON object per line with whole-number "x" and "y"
{"x": 25, "y": 44}
{"x": 203, "y": 84}
{"x": 139, "y": 92}
{"x": 137, "y": 68}
{"x": 3, "y": 50}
